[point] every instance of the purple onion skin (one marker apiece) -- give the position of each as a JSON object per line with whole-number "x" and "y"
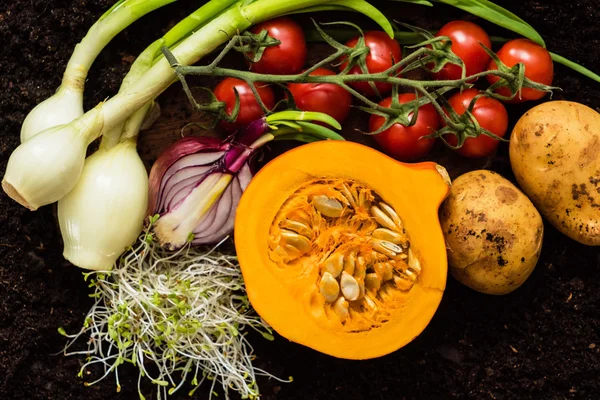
{"x": 234, "y": 161}
{"x": 245, "y": 138}
{"x": 181, "y": 148}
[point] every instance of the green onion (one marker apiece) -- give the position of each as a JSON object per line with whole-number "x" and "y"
{"x": 498, "y": 15}
{"x": 104, "y": 194}
{"x": 53, "y": 175}
{"x": 575, "y": 67}
{"x": 360, "y": 6}
{"x": 67, "y": 103}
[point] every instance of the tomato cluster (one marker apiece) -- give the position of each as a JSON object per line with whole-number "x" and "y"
{"x": 405, "y": 143}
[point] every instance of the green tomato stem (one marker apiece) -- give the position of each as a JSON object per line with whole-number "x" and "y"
{"x": 340, "y": 80}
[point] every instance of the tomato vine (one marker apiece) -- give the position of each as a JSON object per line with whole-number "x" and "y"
{"x": 431, "y": 54}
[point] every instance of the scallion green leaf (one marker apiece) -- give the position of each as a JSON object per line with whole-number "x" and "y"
{"x": 360, "y": 6}
{"x": 574, "y": 66}
{"x": 498, "y": 15}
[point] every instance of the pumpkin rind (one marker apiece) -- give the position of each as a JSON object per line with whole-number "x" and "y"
{"x": 282, "y": 298}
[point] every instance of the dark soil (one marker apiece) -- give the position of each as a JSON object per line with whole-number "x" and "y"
{"x": 541, "y": 342}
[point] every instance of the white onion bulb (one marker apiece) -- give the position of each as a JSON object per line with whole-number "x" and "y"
{"x": 46, "y": 167}
{"x": 105, "y": 211}
{"x": 61, "y": 108}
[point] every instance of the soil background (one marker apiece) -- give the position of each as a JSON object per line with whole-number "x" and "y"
{"x": 540, "y": 342}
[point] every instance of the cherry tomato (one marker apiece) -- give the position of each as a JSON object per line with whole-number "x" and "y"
{"x": 322, "y": 97}
{"x": 489, "y": 113}
{"x": 384, "y": 52}
{"x": 249, "y": 108}
{"x": 466, "y": 38}
{"x": 404, "y": 143}
{"x": 538, "y": 67}
{"x": 289, "y": 56}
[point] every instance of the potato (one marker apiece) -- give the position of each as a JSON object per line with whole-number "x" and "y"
{"x": 493, "y": 233}
{"x": 555, "y": 156}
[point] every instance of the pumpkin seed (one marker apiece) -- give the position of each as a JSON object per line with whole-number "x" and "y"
{"x": 386, "y": 293}
{"x": 348, "y": 195}
{"x": 335, "y": 264}
{"x": 392, "y": 214}
{"x": 291, "y": 250}
{"x": 387, "y": 248}
{"x": 372, "y": 281}
{"x": 327, "y": 206}
{"x": 369, "y": 303}
{"x": 302, "y": 243}
{"x": 388, "y": 235}
{"x": 329, "y": 287}
{"x": 341, "y": 308}
{"x": 382, "y": 218}
{"x": 361, "y": 268}
{"x": 297, "y": 227}
{"x": 350, "y": 263}
{"x": 361, "y": 290}
{"x": 410, "y": 274}
{"x": 375, "y": 256}
{"x": 371, "y": 260}
{"x": 363, "y": 201}
{"x": 413, "y": 262}
{"x": 384, "y": 271}
{"x": 403, "y": 283}
{"x": 350, "y": 288}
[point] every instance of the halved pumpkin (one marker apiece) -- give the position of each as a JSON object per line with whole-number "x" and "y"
{"x": 341, "y": 248}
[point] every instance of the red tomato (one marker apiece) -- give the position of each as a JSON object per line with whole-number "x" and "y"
{"x": 384, "y": 52}
{"x": 538, "y": 67}
{"x": 249, "y": 108}
{"x": 289, "y": 56}
{"x": 404, "y": 143}
{"x": 322, "y": 97}
{"x": 489, "y": 113}
{"x": 466, "y": 38}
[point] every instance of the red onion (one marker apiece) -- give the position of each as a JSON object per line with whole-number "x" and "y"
{"x": 196, "y": 183}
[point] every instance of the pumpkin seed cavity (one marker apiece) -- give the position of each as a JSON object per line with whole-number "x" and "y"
{"x": 357, "y": 243}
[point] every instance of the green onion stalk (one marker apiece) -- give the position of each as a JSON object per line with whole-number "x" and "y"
{"x": 104, "y": 193}
{"x": 67, "y": 103}
{"x": 60, "y": 151}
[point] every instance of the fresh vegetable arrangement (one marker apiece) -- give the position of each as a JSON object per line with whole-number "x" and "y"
{"x": 340, "y": 247}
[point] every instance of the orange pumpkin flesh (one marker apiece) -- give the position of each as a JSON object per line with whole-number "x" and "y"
{"x": 284, "y": 273}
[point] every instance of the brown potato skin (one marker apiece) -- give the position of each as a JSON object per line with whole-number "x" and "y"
{"x": 555, "y": 156}
{"x": 493, "y": 233}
